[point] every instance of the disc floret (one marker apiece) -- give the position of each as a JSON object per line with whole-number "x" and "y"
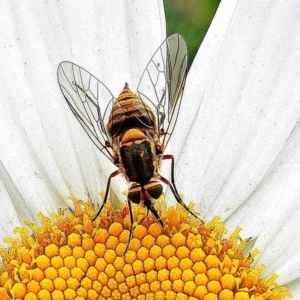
{"x": 70, "y": 257}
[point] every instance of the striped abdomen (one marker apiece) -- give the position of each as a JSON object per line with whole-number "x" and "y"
{"x": 129, "y": 111}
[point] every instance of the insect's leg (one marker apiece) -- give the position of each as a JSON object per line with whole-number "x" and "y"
{"x": 113, "y": 174}
{"x": 171, "y": 157}
{"x": 131, "y": 225}
{"x": 177, "y": 196}
{"x": 154, "y": 213}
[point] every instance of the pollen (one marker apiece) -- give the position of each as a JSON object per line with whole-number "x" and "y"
{"x": 69, "y": 256}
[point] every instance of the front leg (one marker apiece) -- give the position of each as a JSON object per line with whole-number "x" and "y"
{"x": 172, "y": 185}
{"x": 113, "y": 174}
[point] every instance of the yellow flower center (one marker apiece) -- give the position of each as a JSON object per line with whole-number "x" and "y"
{"x": 71, "y": 257}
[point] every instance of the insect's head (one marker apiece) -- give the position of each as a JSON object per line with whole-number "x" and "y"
{"x": 149, "y": 191}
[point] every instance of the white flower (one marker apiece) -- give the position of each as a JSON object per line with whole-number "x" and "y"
{"x": 45, "y": 154}
{"x": 242, "y": 103}
{"x": 236, "y": 142}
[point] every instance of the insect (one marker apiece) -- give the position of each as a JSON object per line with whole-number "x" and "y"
{"x": 133, "y": 129}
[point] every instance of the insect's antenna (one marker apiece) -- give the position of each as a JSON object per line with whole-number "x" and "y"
{"x": 154, "y": 212}
{"x": 131, "y": 226}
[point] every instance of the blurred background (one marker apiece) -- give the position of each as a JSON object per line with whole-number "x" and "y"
{"x": 191, "y": 19}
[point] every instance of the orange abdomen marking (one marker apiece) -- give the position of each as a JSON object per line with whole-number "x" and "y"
{"x": 133, "y": 134}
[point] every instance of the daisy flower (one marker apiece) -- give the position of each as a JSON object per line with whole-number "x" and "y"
{"x": 235, "y": 146}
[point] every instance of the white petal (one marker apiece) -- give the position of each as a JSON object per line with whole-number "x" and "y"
{"x": 242, "y": 117}
{"x": 295, "y": 287}
{"x": 240, "y": 158}
{"x": 44, "y": 152}
{"x": 271, "y": 215}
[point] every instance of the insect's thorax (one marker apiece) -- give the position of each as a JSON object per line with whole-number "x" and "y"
{"x": 137, "y": 156}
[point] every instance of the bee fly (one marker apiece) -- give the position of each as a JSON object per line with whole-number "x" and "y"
{"x": 133, "y": 130}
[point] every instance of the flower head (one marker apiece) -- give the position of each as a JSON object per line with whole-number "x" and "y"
{"x": 239, "y": 160}
{"x": 70, "y": 257}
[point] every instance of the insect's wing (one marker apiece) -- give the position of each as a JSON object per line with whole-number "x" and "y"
{"x": 162, "y": 83}
{"x": 90, "y": 101}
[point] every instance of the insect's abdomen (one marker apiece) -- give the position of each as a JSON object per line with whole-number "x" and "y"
{"x": 137, "y": 159}
{"x": 129, "y": 111}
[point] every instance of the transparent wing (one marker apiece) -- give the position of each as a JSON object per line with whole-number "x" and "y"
{"x": 90, "y": 101}
{"x": 162, "y": 82}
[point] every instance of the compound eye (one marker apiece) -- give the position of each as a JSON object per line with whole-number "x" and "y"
{"x": 154, "y": 189}
{"x": 134, "y": 194}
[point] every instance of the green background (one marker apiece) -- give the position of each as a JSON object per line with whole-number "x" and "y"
{"x": 191, "y": 19}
